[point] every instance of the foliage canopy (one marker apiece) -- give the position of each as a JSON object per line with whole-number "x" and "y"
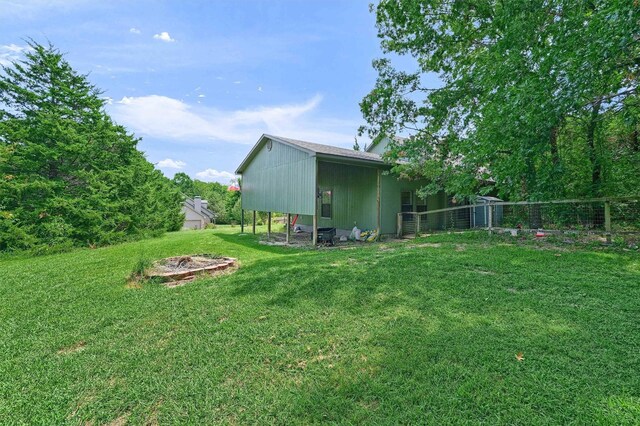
{"x": 538, "y": 98}
{"x": 70, "y": 175}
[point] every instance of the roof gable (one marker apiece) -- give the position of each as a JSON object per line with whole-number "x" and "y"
{"x": 381, "y": 142}
{"x": 205, "y": 212}
{"x": 313, "y": 149}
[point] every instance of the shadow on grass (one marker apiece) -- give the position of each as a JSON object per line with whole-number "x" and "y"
{"x": 440, "y": 330}
{"x": 252, "y": 241}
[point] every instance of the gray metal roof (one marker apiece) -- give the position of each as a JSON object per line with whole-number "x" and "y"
{"x": 329, "y": 149}
{"x": 315, "y": 149}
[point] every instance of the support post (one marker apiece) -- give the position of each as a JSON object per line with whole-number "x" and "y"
{"x": 241, "y": 208}
{"x": 378, "y": 207}
{"x": 607, "y": 220}
{"x": 288, "y": 226}
{"x": 254, "y": 222}
{"x": 315, "y": 230}
{"x": 315, "y": 205}
{"x": 490, "y": 207}
{"x": 268, "y": 225}
{"x": 417, "y": 224}
{"x": 399, "y": 233}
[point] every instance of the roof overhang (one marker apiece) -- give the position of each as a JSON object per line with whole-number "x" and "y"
{"x": 354, "y": 161}
{"x": 321, "y": 156}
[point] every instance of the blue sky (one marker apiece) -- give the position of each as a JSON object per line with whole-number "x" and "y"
{"x": 200, "y": 81}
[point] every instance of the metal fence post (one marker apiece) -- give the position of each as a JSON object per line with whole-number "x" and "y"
{"x": 607, "y": 220}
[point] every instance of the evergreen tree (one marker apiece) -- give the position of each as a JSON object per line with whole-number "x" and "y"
{"x": 70, "y": 176}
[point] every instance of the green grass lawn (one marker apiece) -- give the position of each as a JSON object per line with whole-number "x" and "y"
{"x": 414, "y": 332}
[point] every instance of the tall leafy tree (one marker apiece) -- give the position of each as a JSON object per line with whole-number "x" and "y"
{"x": 518, "y": 79}
{"x": 70, "y": 176}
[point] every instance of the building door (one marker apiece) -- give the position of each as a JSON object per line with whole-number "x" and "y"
{"x": 406, "y": 204}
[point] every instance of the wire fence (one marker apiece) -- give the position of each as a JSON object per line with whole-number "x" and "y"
{"x": 605, "y": 216}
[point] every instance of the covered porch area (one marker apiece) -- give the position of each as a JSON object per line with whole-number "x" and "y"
{"x": 345, "y": 194}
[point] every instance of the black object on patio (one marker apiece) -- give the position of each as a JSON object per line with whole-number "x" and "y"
{"x": 325, "y": 235}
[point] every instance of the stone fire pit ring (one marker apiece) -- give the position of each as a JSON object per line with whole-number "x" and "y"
{"x": 182, "y": 269}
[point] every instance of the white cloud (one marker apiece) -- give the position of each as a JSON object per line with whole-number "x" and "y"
{"x": 134, "y": 30}
{"x": 164, "y": 36}
{"x": 10, "y": 53}
{"x": 212, "y": 175}
{"x": 172, "y": 119}
{"x": 201, "y": 96}
{"x": 169, "y": 163}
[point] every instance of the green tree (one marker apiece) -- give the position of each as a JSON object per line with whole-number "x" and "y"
{"x": 516, "y": 76}
{"x": 70, "y": 175}
{"x": 184, "y": 183}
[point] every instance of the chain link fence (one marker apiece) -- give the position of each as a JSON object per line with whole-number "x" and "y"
{"x": 605, "y": 216}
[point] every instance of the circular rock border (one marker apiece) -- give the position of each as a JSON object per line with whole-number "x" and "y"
{"x": 181, "y": 273}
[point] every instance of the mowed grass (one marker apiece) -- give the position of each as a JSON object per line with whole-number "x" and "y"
{"x": 425, "y": 331}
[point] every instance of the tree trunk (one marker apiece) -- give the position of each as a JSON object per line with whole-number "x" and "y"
{"x": 553, "y": 143}
{"x": 635, "y": 142}
{"x": 596, "y": 167}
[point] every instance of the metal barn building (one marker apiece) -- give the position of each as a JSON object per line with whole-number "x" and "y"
{"x": 328, "y": 186}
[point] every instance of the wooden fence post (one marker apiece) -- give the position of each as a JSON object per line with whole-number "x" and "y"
{"x": 417, "y": 221}
{"x": 315, "y": 230}
{"x": 268, "y": 225}
{"x": 399, "y": 233}
{"x": 254, "y": 222}
{"x": 607, "y": 220}
{"x": 378, "y": 207}
{"x": 490, "y": 207}
{"x": 288, "y": 225}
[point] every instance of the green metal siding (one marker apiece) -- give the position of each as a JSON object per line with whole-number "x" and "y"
{"x": 354, "y": 195}
{"x": 381, "y": 146}
{"x": 280, "y": 180}
{"x": 390, "y": 203}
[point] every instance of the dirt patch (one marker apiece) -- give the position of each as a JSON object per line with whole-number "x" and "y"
{"x": 180, "y": 270}
{"x": 133, "y": 284}
{"x": 152, "y": 418}
{"x": 77, "y": 347}
{"x": 481, "y": 272}
{"x": 120, "y": 421}
{"x": 432, "y": 245}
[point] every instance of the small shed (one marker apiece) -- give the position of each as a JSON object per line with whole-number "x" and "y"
{"x": 480, "y": 213}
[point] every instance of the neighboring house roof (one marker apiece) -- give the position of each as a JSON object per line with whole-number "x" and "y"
{"x": 324, "y": 151}
{"x": 205, "y": 212}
